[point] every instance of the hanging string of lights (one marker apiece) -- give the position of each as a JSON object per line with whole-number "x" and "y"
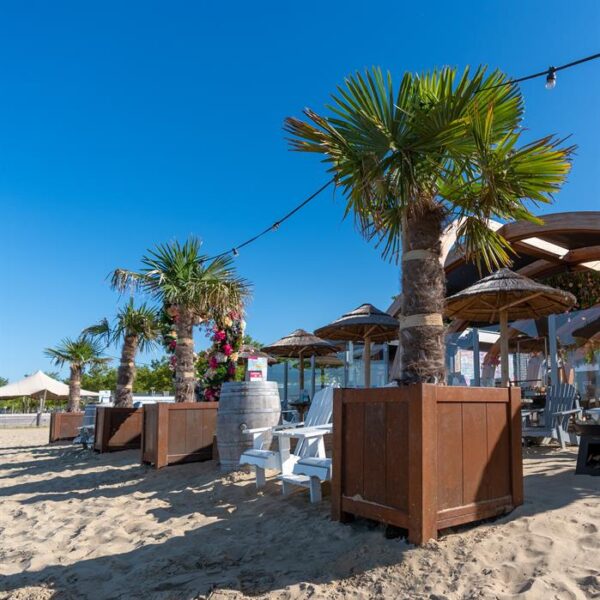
{"x": 275, "y": 226}
{"x": 550, "y": 75}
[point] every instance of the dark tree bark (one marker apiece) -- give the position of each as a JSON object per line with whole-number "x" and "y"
{"x": 74, "y": 389}
{"x": 185, "y": 380}
{"x": 423, "y": 295}
{"x": 126, "y": 372}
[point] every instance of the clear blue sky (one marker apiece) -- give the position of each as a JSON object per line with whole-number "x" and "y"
{"x": 131, "y": 123}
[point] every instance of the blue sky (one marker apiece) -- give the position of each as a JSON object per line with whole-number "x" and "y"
{"x": 127, "y": 124}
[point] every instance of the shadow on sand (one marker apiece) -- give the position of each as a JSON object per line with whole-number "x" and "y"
{"x": 233, "y": 551}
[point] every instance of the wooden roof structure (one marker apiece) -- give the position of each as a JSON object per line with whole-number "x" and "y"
{"x": 568, "y": 241}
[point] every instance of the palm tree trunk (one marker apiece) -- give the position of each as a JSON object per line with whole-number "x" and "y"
{"x": 423, "y": 295}
{"x": 74, "y": 389}
{"x": 185, "y": 381}
{"x": 126, "y": 372}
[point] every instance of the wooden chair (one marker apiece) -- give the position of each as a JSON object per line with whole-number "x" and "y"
{"x": 309, "y": 435}
{"x": 553, "y": 419}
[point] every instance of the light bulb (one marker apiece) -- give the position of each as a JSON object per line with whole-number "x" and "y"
{"x": 235, "y": 252}
{"x": 551, "y": 78}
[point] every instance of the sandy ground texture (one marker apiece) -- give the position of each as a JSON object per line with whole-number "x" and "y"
{"x": 78, "y": 525}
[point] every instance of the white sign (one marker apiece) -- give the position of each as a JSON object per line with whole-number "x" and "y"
{"x": 257, "y": 368}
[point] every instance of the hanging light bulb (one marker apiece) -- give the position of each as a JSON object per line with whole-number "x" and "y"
{"x": 551, "y": 78}
{"x": 235, "y": 252}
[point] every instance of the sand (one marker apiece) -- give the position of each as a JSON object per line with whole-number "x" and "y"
{"x": 74, "y": 524}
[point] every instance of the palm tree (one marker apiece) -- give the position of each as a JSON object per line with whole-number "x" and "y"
{"x": 441, "y": 147}
{"x": 177, "y": 275}
{"x": 138, "y": 328}
{"x": 78, "y": 354}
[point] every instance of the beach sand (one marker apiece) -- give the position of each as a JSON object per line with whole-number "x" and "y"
{"x": 74, "y": 524}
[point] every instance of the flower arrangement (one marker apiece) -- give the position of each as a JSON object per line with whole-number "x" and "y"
{"x": 218, "y": 364}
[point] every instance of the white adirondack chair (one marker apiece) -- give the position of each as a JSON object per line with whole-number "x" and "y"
{"x": 309, "y": 434}
{"x": 553, "y": 419}
{"x": 309, "y": 472}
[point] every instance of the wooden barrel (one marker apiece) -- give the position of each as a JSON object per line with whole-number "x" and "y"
{"x": 244, "y": 405}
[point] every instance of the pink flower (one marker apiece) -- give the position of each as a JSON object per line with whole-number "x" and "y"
{"x": 231, "y": 369}
{"x": 219, "y": 336}
{"x": 227, "y": 350}
{"x": 213, "y": 363}
{"x": 172, "y": 345}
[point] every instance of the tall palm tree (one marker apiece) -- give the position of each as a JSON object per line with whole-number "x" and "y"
{"x": 78, "y": 354}
{"x": 441, "y": 147}
{"x": 178, "y": 275}
{"x": 137, "y": 328}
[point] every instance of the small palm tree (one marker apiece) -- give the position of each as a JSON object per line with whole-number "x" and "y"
{"x": 441, "y": 147}
{"x": 137, "y": 328}
{"x": 178, "y": 275}
{"x": 78, "y": 354}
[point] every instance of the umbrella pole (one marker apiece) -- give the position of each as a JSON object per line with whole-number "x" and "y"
{"x": 367, "y": 358}
{"x": 301, "y": 377}
{"x": 285, "y": 384}
{"x": 504, "y": 347}
{"x": 313, "y": 374}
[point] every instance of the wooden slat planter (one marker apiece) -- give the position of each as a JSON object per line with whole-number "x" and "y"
{"x": 117, "y": 428}
{"x": 426, "y": 457}
{"x": 178, "y": 432}
{"x": 63, "y": 425}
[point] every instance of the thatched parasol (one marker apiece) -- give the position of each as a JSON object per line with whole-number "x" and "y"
{"x": 252, "y": 352}
{"x": 365, "y": 324}
{"x": 300, "y": 344}
{"x": 507, "y": 295}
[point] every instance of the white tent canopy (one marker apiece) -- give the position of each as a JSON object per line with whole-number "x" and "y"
{"x": 38, "y": 385}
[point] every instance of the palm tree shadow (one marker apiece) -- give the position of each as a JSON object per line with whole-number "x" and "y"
{"x": 250, "y": 542}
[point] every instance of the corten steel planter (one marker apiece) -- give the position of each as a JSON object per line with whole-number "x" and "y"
{"x": 117, "y": 428}
{"x": 426, "y": 457}
{"x": 63, "y": 425}
{"x": 178, "y": 432}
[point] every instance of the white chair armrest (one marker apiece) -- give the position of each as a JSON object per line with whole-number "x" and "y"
{"x": 256, "y": 430}
{"x": 568, "y": 412}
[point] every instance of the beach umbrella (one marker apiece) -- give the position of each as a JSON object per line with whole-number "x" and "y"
{"x": 506, "y": 295}
{"x": 365, "y": 324}
{"x": 300, "y": 344}
{"x": 39, "y": 386}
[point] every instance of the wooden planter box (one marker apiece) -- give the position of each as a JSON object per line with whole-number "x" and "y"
{"x": 426, "y": 457}
{"x": 63, "y": 425}
{"x": 117, "y": 428}
{"x": 178, "y": 432}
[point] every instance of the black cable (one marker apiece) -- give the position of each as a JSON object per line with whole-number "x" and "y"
{"x": 548, "y": 72}
{"x": 542, "y": 73}
{"x": 276, "y": 224}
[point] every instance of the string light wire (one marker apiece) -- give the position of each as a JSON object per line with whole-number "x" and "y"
{"x": 550, "y": 75}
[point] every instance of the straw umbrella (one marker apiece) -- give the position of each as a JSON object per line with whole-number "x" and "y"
{"x": 300, "y": 344}
{"x": 504, "y": 296}
{"x": 365, "y": 324}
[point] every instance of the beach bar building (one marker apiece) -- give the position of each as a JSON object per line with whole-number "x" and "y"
{"x": 563, "y": 252}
